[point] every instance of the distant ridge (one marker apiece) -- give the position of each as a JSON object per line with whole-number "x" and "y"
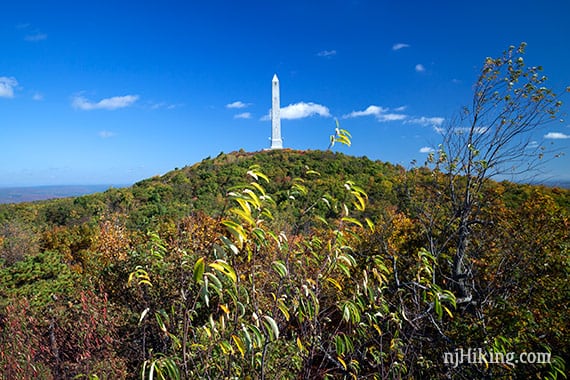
{"x": 40, "y": 193}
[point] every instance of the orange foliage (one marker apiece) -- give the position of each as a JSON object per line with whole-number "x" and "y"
{"x": 113, "y": 243}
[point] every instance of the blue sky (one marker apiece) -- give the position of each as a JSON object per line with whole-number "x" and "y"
{"x": 112, "y": 92}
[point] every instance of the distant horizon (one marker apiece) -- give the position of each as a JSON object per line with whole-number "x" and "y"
{"x": 532, "y": 180}
{"x": 536, "y": 180}
{"x": 23, "y": 194}
{"x": 68, "y": 185}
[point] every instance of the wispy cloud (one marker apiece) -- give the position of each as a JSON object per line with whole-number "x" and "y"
{"x": 426, "y": 121}
{"x": 556, "y": 136}
{"x": 7, "y": 85}
{"x": 244, "y": 115}
{"x": 106, "y": 134}
{"x": 116, "y": 102}
{"x": 238, "y": 104}
{"x": 420, "y": 68}
{"x": 461, "y": 130}
{"x": 302, "y": 110}
{"x": 38, "y": 96}
{"x": 399, "y": 46}
{"x": 163, "y": 105}
{"x": 426, "y": 149}
{"x": 327, "y": 53}
{"x": 31, "y": 34}
{"x": 35, "y": 37}
{"x": 380, "y": 113}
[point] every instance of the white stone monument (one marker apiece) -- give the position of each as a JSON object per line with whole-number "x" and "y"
{"x": 276, "y": 141}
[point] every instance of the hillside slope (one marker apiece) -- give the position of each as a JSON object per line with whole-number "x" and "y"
{"x": 204, "y": 187}
{"x": 333, "y": 267}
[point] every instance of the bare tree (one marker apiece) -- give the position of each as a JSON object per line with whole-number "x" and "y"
{"x": 495, "y": 136}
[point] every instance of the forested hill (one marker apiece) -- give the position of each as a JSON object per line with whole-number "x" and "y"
{"x": 204, "y": 186}
{"x": 288, "y": 264}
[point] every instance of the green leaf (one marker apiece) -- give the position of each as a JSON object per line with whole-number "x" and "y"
{"x": 257, "y": 335}
{"x": 214, "y": 282}
{"x": 199, "y": 269}
{"x": 280, "y": 268}
{"x": 281, "y": 305}
{"x": 229, "y": 244}
{"x": 273, "y": 326}
{"x": 236, "y": 230}
{"x": 159, "y": 315}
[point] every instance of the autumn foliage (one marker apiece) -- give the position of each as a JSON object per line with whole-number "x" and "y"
{"x": 295, "y": 265}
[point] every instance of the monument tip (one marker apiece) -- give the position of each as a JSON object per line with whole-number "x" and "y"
{"x": 275, "y": 79}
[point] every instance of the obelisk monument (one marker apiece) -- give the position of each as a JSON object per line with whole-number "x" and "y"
{"x": 276, "y": 142}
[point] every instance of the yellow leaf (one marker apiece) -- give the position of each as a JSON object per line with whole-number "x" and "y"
{"x": 377, "y": 328}
{"x": 225, "y": 268}
{"x": 225, "y": 309}
{"x": 342, "y": 362}
{"x": 240, "y": 345}
{"x": 335, "y": 283}
{"x": 300, "y": 344}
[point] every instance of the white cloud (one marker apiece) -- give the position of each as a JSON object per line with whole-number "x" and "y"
{"x": 113, "y": 103}
{"x": 237, "y": 104}
{"x": 400, "y": 46}
{"x": 7, "y": 87}
{"x": 380, "y": 113}
{"x": 38, "y": 96}
{"x": 106, "y": 134}
{"x": 301, "y": 110}
{"x": 426, "y": 149}
{"x": 420, "y": 68}
{"x": 327, "y": 53}
{"x": 371, "y": 110}
{"x": 244, "y": 115}
{"x": 426, "y": 121}
{"x": 556, "y": 136}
